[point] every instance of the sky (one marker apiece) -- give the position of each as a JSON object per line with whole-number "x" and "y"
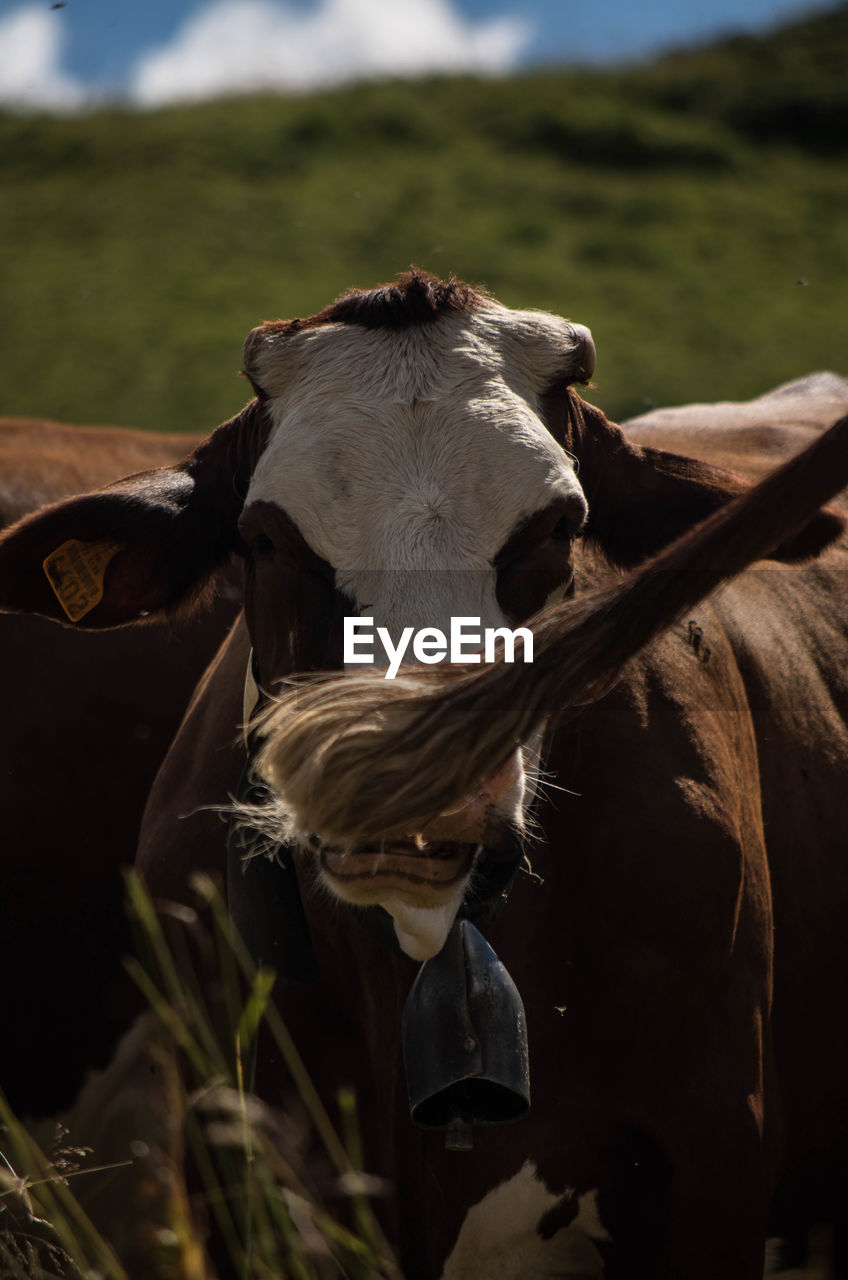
{"x": 72, "y": 55}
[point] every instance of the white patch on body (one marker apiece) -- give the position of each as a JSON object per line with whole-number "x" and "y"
{"x": 818, "y": 1266}
{"x": 813, "y": 402}
{"x": 499, "y": 1237}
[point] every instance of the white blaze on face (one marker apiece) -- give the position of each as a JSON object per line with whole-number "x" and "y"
{"x": 407, "y": 456}
{"x": 500, "y": 1240}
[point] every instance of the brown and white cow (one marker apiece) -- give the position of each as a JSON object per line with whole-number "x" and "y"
{"x": 414, "y": 454}
{"x": 87, "y": 719}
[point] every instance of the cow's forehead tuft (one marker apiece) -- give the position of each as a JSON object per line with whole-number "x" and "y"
{"x": 415, "y": 298}
{"x": 527, "y": 350}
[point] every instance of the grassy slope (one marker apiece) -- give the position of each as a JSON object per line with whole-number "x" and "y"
{"x": 674, "y": 207}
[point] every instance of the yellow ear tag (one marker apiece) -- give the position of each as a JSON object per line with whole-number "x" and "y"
{"x": 75, "y": 571}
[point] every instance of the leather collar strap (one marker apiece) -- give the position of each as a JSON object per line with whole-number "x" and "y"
{"x": 263, "y": 893}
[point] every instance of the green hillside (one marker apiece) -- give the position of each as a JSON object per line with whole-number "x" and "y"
{"x": 693, "y": 211}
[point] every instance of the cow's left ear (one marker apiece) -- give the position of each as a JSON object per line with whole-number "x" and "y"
{"x": 640, "y": 499}
{"x": 141, "y": 547}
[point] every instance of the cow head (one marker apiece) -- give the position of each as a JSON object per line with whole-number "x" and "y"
{"x": 413, "y": 454}
{"x": 408, "y": 472}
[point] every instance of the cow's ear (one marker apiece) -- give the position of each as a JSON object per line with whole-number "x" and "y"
{"x": 640, "y": 499}
{"x": 139, "y": 548}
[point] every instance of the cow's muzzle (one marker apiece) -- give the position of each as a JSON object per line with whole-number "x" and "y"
{"x": 419, "y": 864}
{"x": 432, "y": 867}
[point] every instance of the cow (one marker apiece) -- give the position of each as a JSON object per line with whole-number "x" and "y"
{"x": 753, "y": 437}
{"x": 42, "y": 460}
{"x": 417, "y": 453}
{"x": 749, "y": 436}
{"x": 87, "y": 720}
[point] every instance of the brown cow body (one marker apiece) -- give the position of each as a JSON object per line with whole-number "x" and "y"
{"x": 644, "y": 959}
{"x": 751, "y": 436}
{"x": 682, "y": 964}
{"x": 87, "y": 720}
{"x": 42, "y": 460}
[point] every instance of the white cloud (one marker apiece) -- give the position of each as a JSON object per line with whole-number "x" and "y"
{"x": 243, "y": 46}
{"x": 240, "y": 46}
{"x": 30, "y": 63}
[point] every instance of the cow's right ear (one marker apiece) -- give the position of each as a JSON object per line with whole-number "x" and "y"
{"x": 641, "y": 499}
{"x": 142, "y": 547}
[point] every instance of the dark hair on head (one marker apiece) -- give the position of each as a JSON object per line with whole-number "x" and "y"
{"x": 415, "y": 298}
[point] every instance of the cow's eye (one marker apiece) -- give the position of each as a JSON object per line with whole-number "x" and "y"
{"x": 534, "y": 563}
{"x": 553, "y": 524}
{"x": 563, "y": 530}
{"x": 261, "y": 545}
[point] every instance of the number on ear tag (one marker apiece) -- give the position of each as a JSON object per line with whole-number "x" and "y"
{"x": 75, "y": 571}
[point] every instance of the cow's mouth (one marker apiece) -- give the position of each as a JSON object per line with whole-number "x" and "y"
{"x": 420, "y": 883}
{"x": 402, "y": 863}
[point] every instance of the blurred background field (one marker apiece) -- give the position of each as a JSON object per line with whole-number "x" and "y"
{"x": 692, "y": 210}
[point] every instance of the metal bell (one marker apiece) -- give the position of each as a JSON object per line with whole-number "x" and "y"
{"x": 465, "y": 1040}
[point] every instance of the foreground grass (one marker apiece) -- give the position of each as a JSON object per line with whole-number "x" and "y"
{"x": 691, "y": 212}
{"x": 191, "y": 1176}
{"x": 200, "y": 1178}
